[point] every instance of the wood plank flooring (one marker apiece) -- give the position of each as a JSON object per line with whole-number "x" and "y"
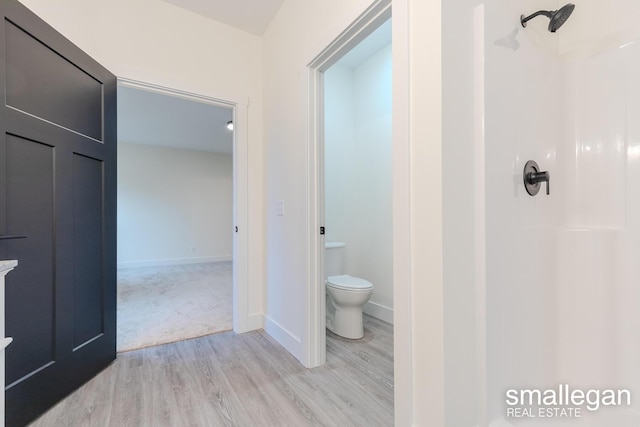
{"x": 239, "y": 380}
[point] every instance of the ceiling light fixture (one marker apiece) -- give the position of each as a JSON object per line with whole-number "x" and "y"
{"x": 230, "y": 125}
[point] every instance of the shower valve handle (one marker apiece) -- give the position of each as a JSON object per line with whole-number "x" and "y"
{"x": 536, "y": 177}
{"x": 533, "y": 177}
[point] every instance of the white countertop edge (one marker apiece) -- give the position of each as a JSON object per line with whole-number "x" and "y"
{"x": 7, "y": 265}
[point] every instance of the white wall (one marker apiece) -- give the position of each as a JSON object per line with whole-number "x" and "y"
{"x": 340, "y": 153}
{"x": 163, "y": 216}
{"x": 298, "y": 33}
{"x": 464, "y": 367}
{"x": 358, "y": 172}
{"x": 155, "y": 42}
{"x": 374, "y": 256}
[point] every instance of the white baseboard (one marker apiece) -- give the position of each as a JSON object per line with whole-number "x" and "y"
{"x": 286, "y": 339}
{"x": 379, "y": 311}
{"x": 177, "y": 261}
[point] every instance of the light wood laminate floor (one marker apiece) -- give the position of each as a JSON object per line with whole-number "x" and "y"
{"x": 239, "y": 380}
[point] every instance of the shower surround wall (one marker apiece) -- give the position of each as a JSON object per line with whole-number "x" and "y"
{"x": 358, "y": 196}
{"x": 562, "y": 284}
{"x": 599, "y": 237}
{"x": 522, "y": 121}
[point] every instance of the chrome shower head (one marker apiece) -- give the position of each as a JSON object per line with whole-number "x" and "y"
{"x": 557, "y": 17}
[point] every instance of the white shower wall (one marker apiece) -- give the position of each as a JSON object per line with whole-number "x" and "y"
{"x": 522, "y": 119}
{"x": 562, "y": 283}
{"x": 538, "y": 291}
{"x": 358, "y": 174}
{"x": 599, "y": 240}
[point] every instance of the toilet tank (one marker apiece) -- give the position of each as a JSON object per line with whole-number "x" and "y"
{"x": 333, "y": 258}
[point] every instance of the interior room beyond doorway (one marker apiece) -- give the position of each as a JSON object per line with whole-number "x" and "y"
{"x": 175, "y": 218}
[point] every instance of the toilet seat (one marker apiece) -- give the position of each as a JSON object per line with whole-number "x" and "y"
{"x": 348, "y": 283}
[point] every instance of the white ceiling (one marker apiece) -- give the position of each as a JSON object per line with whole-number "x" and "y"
{"x": 152, "y": 118}
{"x": 253, "y": 16}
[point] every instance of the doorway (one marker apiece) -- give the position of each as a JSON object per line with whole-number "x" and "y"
{"x": 358, "y": 165}
{"x": 182, "y": 273}
{"x": 370, "y": 34}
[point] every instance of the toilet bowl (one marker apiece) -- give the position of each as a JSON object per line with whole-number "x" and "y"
{"x": 346, "y": 296}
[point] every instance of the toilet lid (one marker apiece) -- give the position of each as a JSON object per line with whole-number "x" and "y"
{"x": 348, "y": 283}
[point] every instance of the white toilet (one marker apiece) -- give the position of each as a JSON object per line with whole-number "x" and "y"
{"x": 346, "y": 295}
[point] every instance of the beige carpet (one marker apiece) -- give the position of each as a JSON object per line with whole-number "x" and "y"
{"x": 159, "y": 305}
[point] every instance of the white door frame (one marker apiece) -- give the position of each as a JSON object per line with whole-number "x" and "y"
{"x": 365, "y": 24}
{"x": 240, "y": 190}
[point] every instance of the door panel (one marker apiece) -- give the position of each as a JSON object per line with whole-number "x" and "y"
{"x": 61, "y": 93}
{"x": 29, "y": 178}
{"x": 57, "y": 188}
{"x": 87, "y": 232}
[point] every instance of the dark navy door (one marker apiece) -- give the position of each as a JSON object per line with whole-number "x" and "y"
{"x": 57, "y": 213}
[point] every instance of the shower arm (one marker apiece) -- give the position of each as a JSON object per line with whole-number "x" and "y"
{"x": 524, "y": 20}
